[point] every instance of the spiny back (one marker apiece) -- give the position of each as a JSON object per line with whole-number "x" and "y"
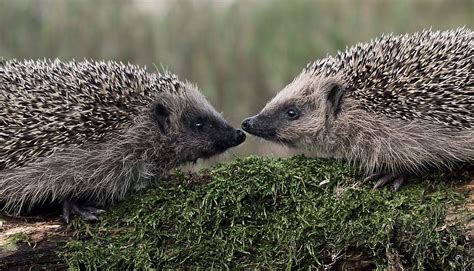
{"x": 53, "y": 104}
{"x": 427, "y": 76}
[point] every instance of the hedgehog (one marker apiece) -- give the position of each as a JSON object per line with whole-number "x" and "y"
{"x": 84, "y": 134}
{"x": 395, "y": 106}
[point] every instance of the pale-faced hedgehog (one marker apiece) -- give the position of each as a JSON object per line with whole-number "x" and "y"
{"x": 396, "y": 105}
{"x": 74, "y": 131}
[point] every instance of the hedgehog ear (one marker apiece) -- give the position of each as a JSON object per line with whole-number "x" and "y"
{"x": 334, "y": 97}
{"x": 161, "y": 116}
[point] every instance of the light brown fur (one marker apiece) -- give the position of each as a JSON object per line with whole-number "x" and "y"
{"x": 374, "y": 141}
{"x": 366, "y": 107}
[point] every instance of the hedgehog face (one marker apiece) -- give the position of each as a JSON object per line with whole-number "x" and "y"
{"x": 299, "y": 114}
{"x": 192, "y": 127}
{"x": 208, "y": 135}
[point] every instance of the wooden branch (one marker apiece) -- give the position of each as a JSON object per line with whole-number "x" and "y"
{"x": 31, "y": 244}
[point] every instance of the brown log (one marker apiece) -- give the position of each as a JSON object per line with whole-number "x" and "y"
{"x": 31, "y": 243}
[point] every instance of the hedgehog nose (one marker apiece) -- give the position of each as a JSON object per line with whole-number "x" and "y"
{"x": 246, "y": 124}
{"x": 240, "y": 135}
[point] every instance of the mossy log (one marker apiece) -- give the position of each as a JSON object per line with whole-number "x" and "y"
{"x": 262, "y": 213}
{"x": 31, "y": 243}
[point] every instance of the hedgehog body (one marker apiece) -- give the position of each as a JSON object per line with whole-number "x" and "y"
{"x": 426, "y": 76}
{"x": 395, "y": 105}
{"x": 93, "y": 131}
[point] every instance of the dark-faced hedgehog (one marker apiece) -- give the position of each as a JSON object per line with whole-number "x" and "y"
{"x": 92, "y": 131}
{"x": 396, "y": 105}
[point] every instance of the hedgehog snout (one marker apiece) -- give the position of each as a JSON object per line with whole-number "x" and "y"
{"x": 240, "y": 136}
{"x": 247, "y": 124}
{"x": 234, "y": 138}
{"x": 230, "y": 138}
{"x": 259, "y": 126}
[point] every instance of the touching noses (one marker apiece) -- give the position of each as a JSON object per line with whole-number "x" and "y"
{"x": 240, "y": 136}
{"x": 246, "y": 124}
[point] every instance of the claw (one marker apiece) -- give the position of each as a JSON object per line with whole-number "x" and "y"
{"x": 383, "y": 179}
{"x": 93, "y": 210}
{"x": 373, "y": 177}
{"x": 87, "y": 213}
{"x": 398, "y": 182}
{"x": 66, "y": 211}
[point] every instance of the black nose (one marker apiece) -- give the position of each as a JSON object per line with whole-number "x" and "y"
{"x": 246, "y": 124}
{"x": 240, "y": 136}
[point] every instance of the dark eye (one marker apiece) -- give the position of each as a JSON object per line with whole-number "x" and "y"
{"x": 292, "y": 113}
{"x": 199, "y": 125}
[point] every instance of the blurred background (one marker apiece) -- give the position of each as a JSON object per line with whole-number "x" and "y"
{"x": 240, "y": 53}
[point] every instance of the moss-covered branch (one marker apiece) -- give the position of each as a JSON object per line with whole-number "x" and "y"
{"x": 274, "y": 213}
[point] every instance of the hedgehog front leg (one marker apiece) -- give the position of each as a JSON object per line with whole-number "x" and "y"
{"x": 397, "y": 180}
{"x": 87, "y": 213}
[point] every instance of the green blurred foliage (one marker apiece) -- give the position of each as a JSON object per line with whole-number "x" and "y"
{"x": 240, "y": 53}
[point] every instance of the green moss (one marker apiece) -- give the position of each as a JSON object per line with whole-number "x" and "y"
{"x": 273, "y": 213}
{"x": 19, "y": 238}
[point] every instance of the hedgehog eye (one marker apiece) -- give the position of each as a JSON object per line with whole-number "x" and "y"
{"x": 292, "y": 113}
{"x": 199, "y": 125}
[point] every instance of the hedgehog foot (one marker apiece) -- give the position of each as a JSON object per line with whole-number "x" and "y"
{"x": 383, "y": 179}
{"x": 86, "y": 212}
